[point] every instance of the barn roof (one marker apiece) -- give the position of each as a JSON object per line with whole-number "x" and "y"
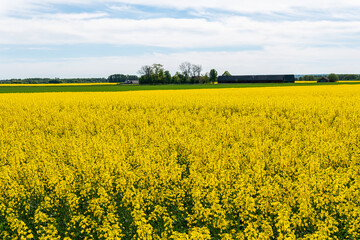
{"x": 256, "y": 78}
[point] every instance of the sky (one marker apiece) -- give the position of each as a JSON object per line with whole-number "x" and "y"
{"x": 97, "y": 38}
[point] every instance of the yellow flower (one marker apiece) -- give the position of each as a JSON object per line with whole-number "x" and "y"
{"x": 254, "y": 163}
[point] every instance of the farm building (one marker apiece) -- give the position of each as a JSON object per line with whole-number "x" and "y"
{"x": 131, "y": 82}
{"x": 323, "y": 79}
{"x": 257, "y": 79}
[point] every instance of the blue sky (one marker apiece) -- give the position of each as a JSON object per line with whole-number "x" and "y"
{"x": 93, "y": 38}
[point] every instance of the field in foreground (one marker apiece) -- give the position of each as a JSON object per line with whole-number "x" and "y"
{"x": 252, "y": 163}
{"x": 110, "y": 87}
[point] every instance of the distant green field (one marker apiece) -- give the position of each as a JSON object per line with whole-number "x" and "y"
{"x": 119, "y": 88}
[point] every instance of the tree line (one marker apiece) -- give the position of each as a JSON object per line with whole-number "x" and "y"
{"x": 54, "y": 80}
{"x": 150, "y": 74}
{"x": 332, "y": 77}
{"x": 188, "y": 74}
{"x": 120, "y": 78}
{"x": 156, "y": 74}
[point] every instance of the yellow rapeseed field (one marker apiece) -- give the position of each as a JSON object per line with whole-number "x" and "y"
{"x": 253, "y": 163}
{"x": 305, "y": 81}
{"x": 349, "y": 81}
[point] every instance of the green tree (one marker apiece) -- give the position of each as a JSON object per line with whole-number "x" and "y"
{"x": 226, "y": 73}
{"x": 205, "y": 78}
{"x": 158, "y": 73}
{"x": 176, "y": 79}
{"x": 152, "y": 74}
{"x": 347, "y": 77}
{"x": 183, "y": 78}
{"x": 167, "y": 77}
{"x": 309, "y": 78}
{"x": 146, "y": 74}
{"x": 117, "y": 78}
{"x": 213, "y": 75}
{"x": 333, "y": 77}
{"x": 55, "y": 81}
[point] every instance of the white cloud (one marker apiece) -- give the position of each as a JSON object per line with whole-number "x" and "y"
{"x": 306, "y": 43}
{"x": 173, "y": 33}
{"x": 224, "y": 30}
{"x": 275, "y": 60}
{"x": 244, "y": 6}
{"x": 264, "y": 6}
{"x": 124, "y": 8}
{"x": 69, "y": 17}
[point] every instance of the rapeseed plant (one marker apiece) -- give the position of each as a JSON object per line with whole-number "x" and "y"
{"x": 254, "y": 163}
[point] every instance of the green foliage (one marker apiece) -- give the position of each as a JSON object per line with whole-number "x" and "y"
{"x": 333, "y": 77}
{"x": 167, "y": 77}
{"x": 307, "y": 78}
{"x": 226, "y": 73}
{"x": 15, "y": 81}
{"x": 183, "y": 78}
{"x": 55, "y": 81}
{"x": 176, "y": 79}
{"x": 154, "y": 74}
{"x": 158, "y": 74}
{"x": 205, "y": 78}
{"x": 190, "y": 73}
{"x": 349, "y": 77}
{"x": 213, "y": 75}
{"x": 122, "y": 78}
{"x": 146, "y": 74}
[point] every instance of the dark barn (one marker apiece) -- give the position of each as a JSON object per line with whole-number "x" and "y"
{"x": 324, "y": 79}
{"x": 257, "y": 79}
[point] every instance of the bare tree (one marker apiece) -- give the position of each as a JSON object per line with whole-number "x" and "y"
{"x": 185, "y": 69}
{"x": 196, "y": 70}
{"x": 146, "y": 71}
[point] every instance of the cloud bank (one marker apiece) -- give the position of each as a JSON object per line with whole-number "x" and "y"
{"x": 240, "y": 36}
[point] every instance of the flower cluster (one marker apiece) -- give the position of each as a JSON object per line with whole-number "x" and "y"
{"x": 254, "y": 163}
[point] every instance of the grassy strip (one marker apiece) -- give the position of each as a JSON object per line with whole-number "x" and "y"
{"x": 52, "y": 84}
{"x": 120, "y": 88}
